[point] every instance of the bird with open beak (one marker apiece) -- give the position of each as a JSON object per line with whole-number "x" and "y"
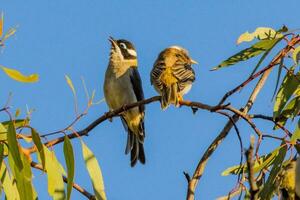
{"x": 172, "y": 75}
{"x": 123, "y": 86}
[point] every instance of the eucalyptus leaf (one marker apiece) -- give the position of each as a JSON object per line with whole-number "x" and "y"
{"x": 18, "y": 76}
{"x": 54, "y": 172}
{"x": 286, "y": 90}
{"x": 269, "y": 187}
{"x": 13, "y": 146}
{"x": 260, "y": 33}
{"x": 8, "y": 183}
{"x": 94, "y": 171}
{"x": 70, "y": 163}
{"x": 255, "y": 50}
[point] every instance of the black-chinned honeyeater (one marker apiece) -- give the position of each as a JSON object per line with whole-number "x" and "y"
{"x": 123, "y": 86}
{"x": 172, "y": 75}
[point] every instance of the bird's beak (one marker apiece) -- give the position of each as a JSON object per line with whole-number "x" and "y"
{"x": 113, "y": 41}
{"x": 193, "y": 61}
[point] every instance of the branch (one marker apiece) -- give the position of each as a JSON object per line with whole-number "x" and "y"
{"x": 117, "y": 112}
{"x": 268, "y": 118}
{"x": 65, "y": 179}
{"x": 251, "y": 178}
{"x": 210, "y": 150}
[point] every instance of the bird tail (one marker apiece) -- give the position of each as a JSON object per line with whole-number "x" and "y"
{"x": 135, "y": 144}
{"x": 169, "y": 96}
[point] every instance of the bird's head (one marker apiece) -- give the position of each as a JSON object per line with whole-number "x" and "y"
{"x": 122, "y": 51}
{"x": 181, "y": 54}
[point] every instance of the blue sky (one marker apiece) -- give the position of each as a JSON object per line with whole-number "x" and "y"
{"x": 55, "y": 38}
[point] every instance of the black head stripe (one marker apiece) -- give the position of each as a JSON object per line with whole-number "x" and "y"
{"x": 129, "y": 46}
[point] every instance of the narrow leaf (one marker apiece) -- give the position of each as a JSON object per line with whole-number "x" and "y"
{"x": 248, "y": 53}
{"x": 38, "y": 144}
{"x": 9, "y": 186}
{"x": 22, "y": 177}
{"x": 269, "y": 186}
{"x": 94, "y": 171}
{"x": 16, "y": 75}
{"x": 70, "y": 83}
{"x": 260, "y": 33}
{"x": 70, "y": 163}
{"x": 278, "y": 77}
{"x": 1, "y": 153}
{"x": 296, "y": 55}
{"x": 264, "y": 162}
{"x": 54, "y": 173}
{"x": 13, "y": 146}
{"x": 286, "y": 90}
{"x": 296, "y": 134}
{"x": 265, "y": 55}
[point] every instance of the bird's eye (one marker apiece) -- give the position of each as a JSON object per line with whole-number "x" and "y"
{"x": 123, "y": 46}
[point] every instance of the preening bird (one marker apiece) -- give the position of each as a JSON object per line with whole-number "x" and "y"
{"x": 122, "y": 86}
{"x": 172, "y": 75}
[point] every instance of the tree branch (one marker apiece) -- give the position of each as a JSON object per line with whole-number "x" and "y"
{"x": 251, "y": 178}
{"x": 117, "y": 112}
{"x": 210, "y": 150}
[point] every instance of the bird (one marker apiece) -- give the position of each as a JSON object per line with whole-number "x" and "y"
{"x": 289, "y": 180}
{"x": 172, "y": 75}
{"x": 123, "y": 85}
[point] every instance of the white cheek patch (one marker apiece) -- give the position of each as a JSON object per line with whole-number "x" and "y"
{"x": 132, "y": 52}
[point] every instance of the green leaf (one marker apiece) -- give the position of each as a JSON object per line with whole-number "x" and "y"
{"x": 269, "y": 186}
{"x": 265, "y": 55}
{"x": 3, "y": 133}
{"x": 70, "y": 83}
{"x": 16, "y": 75}
{"x": 70, "y": 163}
{"x": 286, "y": 90}
{"x": 39, "y": 145}
{"x": 18, "y": 123}
{"x": 9, "y": 186}
{"x": 296, "y": 134}
{"x": 94, "y": 170}
{"x": 296, "y": 55}
{"x": 1, "y": 153}
{"x": 22, "y": 177}
{"x": 264, "y": 162}
{"x": 54, "y": 172}
{"x": 278, "y": 77}
{"x": 13, "y": 146}
{"x": 260, "y": 33}
{"x": 256, "y": 49}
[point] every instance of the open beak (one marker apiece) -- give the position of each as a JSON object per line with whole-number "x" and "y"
{"x": 113, "y": 41}
{"x": 193, "y": 61}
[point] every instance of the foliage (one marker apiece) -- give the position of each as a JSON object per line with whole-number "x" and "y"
{"x": 16, "y": 162}
{"x": 269, "y": 168}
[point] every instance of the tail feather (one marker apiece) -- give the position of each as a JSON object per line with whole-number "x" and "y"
{"x": 169, "y": 96}
{"x": 135, "y": 143}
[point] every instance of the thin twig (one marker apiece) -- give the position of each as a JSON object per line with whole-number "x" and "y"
{"x": 65, "y": 179}
{"x": 259, "y": 116}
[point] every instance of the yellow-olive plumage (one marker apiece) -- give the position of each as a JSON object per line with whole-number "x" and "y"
{"x": 172, "y": 75}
